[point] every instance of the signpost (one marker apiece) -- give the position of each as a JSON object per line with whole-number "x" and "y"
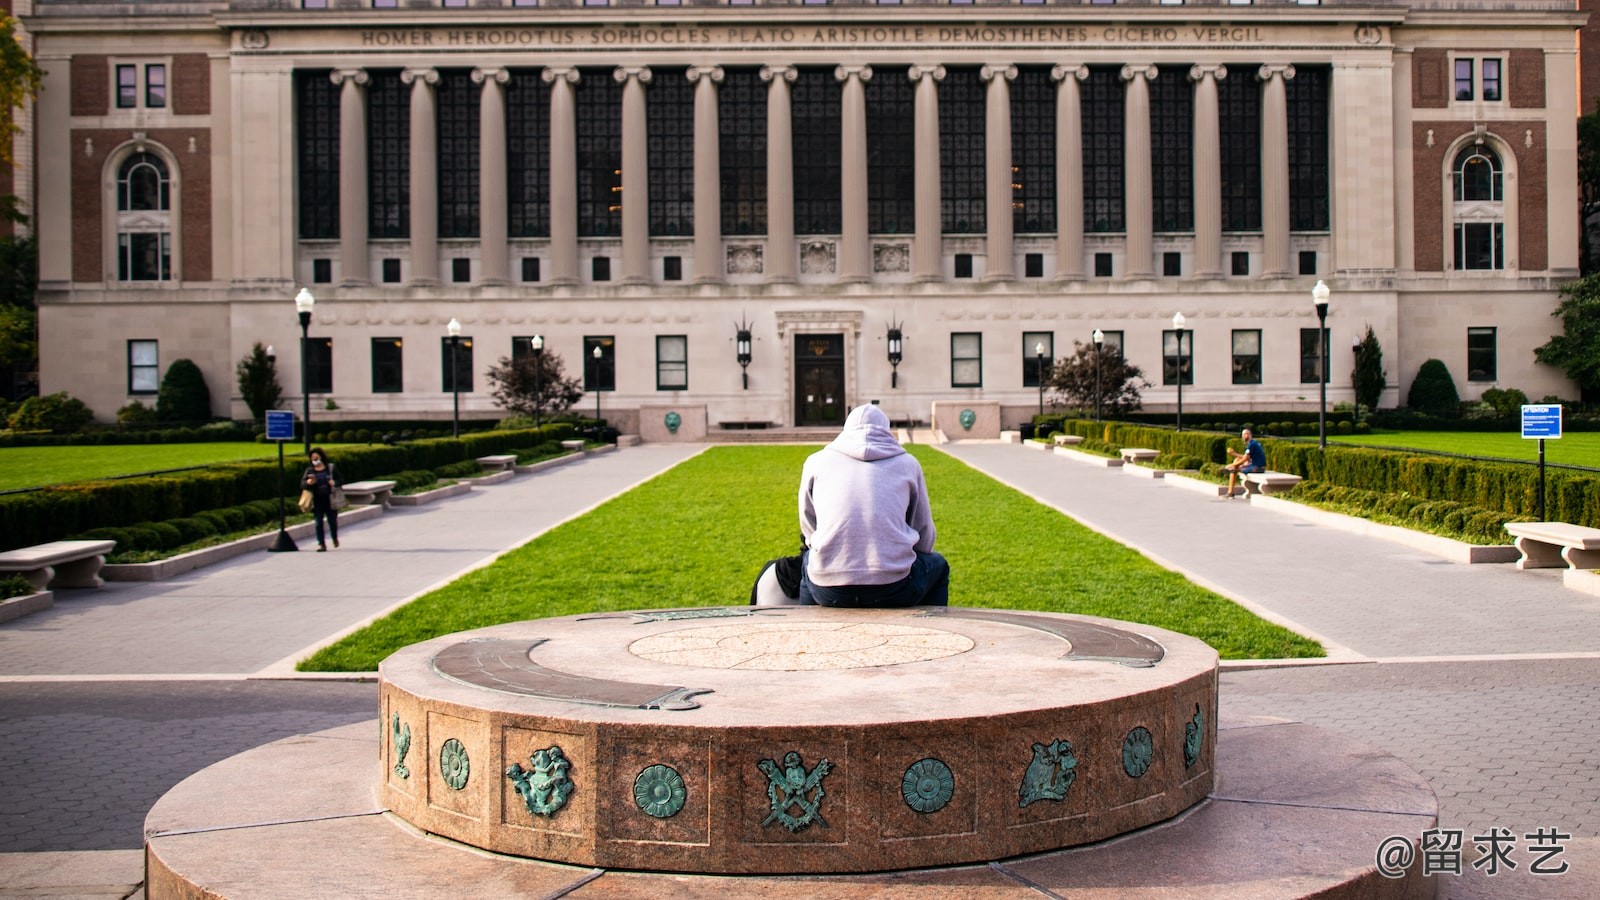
{"x": 280, "y": 428}
{"x": 1541, "y": 421}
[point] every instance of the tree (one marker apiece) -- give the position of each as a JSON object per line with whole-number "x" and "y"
{"x": 1433, "y": 391}
{"x": 1369, "y": 378}
{"x": 183, "y": 396}
{"x": 19, "y": 343}
{"x": 1577, "y": 349}
{"x": 19, "y": 82}
{"x": 258, "y": 382}
{"x": 1072, "y": 380}
{"x": 532, "y": 385}
{"x": 1588, "y": 186}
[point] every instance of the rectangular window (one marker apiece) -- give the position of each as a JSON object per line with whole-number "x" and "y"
{"x": 385, "y": 4}
{"x": 319, "y": 365}
{"x": 461, "y": 270}
{"x": 463, "y": 368}
{"x": 321, "y": 271}
{"x": 127, "y": 87}
{"x": 144, "y": 256}
{"x": 672, "y": 362}
{"x": 966, "y": 359}
{"x": 1113, "y": 342}
{"x": 530, "y": 268}
{"x": 1175, "y": 358}
{"x": 144, "y": 371}
{"x": 1310, "y": 360}
{"x": 1481, "y": 356}
{"x": 600, "y": 268}
{"x": 1241, "y": 262}
{"x": 1037, "y": 344}
{"x": 454, "y": 3}
{"x": 671, "y": 268}
{"x": 1102, "y": 265}
{"x": 1491, "y": 79}
{"x": 1033, "y": 265}
{"x": 1246, "y": 357}
{"x": 313, "y": 4}
{"x": 1480, "y": 245}
{"x": 386, "y": 366}
{"x": 963, "y": 265}
{"x": 155, "y": 86}
{"x": 600, "y": 372}
{"x": 1171, "y": 264}
{"x": 1464, "y": 79}
{"x": 391, "y": 271}
{"x": 1308, "y": 262}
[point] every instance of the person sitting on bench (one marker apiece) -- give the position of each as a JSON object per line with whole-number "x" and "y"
{"x": 1253, "y": 459}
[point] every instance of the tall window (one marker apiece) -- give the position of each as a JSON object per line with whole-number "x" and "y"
{"x": 1035, "y": 364}
{"x": 1491, "y": 80}
{"x": 1033, "y": 151}
{"x": 1172, "y": 149}
{"x": 127, "y": 86}
{"x": 1464, "y": 79}
{"x": 155, "y": 86}
{"x": 966, "y": 359}
{"x": 598, "y": 100}
{"x": 1113, "y": 343}
{"x": 144, "y": 368}
{"x": 1310, "y": 357}
{"x": 1247, "y": 356}
{"x": 742, "y": 124}
{"x": 387, "y": 373}
{"x": 891, "y": 145}
{"x": 319, "y": 365}
{"x": 670, "y": 113}
{"x": 144, "y": 219}
{"x": 672, "y": 362}
{"x": 528, "y": 154}
{"x": 961, "y": 151}
{"x": 458, "y": 377}
{"x": 388, "y": 155}
{"x": 1477, "y": 181}
{"x": 317, "y": 118}
{"x": 1307, "y": 96}
{"x": 600, "y": 374}
{"x": 1482, "y": 359}
{"x": 1176, "y": 359}
{"x": 1102, "y": 151}
{"x": 146, "y": 82}
{"x": 458, "y": 153}
{"x": 1239, "y": 103}
{"x": 815, "y": 120}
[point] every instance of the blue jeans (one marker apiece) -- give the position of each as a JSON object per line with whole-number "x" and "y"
{"x": 927, "y": 584}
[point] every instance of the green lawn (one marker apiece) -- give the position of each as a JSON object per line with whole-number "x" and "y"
{"x": 698, "y": 534}
{"x": 1576, "y": 448}
{"x": 22, "y": 467}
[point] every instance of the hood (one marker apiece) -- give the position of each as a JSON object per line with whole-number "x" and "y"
{"x": 866, "y": 436}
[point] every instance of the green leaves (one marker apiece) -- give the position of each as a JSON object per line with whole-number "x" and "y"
{"x": 1577, "y": 350}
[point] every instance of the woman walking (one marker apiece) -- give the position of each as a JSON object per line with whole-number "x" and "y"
{"x": 323, "y": 481}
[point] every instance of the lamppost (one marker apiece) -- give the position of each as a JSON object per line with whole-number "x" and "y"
{"x": 1099, "y": 345}
{"x": 303, "y": 302}
{"x": 454, "y": 330}
{"x": 741, "y": 350}
{"x": 597, "y": 356}
{"x": 1038, "y": 354}
{"x": 536, "y": 344}
{"x": 896, "y": 354}
{"x": 1319, "y": 296}
{"x": 1177, "y": 324}
{"x": 1355, "y": 353}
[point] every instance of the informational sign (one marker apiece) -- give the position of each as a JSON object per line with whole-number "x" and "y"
{"x": 1541, "y": 420}
{"x": 280, "y": 425}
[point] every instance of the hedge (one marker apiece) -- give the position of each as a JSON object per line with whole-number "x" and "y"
{"x": 1207, "y": 446}
{"x": 53, "y": 513}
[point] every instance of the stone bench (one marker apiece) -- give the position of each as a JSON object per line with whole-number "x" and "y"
{"x": 503, "y": 463}
{"x": 572, "y": 445}
{"x": 1139, "y": 454}
{"x": 1066, "y": 440}
{"x": 59, "y": 564}
{"x": 363, "y": 493}
{"x": 1269, "y": 482}
{"x": 1547, "y": 545}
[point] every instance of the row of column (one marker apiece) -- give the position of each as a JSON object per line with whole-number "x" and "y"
{"x": 781, "y": 256}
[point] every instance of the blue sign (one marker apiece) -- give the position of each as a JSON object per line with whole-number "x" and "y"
{"x": 280, "y": 425}
{"x": 1541, "y": 420}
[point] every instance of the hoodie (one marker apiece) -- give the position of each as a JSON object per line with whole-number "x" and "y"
{"x": 863, "y": 506}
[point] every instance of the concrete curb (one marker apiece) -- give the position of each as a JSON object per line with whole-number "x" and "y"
{"x": 449, "y": 490}
{"x": 551, "y": 463}
{"x": 1443, "y": 547}
{"x": 17, "y": 607}
{"x": 163, "y": 569}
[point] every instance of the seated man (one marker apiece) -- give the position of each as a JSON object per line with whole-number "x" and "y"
{"x": 865, "y": 519}
{"x": 1253, "y": 459}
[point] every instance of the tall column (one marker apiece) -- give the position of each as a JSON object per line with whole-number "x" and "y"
{"x": 927, "y": 247}
{"x": 635, "y": 175}
{"x": 492, "y": 237}
{"x": 424, "y": 176}
{"x": 1404, "y": 223}
{"x": 563, "y": 176}
{"x": 998, "y": 193}
{"x": 1069, "y": 171}
{"x": 1138, "y": 196}
{"x": 782, "y": 255}
{"x": 1207, "y": 171}
{"x": 352, "y": 176}
{"x": 1275, "y": 169}
{"x": 708, "y": 261}
{"x": 855, "y": 257}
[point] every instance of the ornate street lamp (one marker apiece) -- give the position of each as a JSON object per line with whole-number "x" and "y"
{"x": 303, "y": 303}
{"x": 597, "y": 357}
{"x": 1319, "y": 296}
{"x": 1038, "y": 356}
{"x": 1177, "y": 323}
{"x": 1099, "y": 338}
{"x": 896, "y": 353}
{"x": 1355, "y": 353}
{"x": 741, "y": 349}
{"x": 454, "y": 330}
{"x": 536, "y": 344}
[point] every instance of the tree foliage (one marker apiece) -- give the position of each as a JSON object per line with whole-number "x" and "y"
{"x": 1433, "y": 391}
{"x": 1588, "y": 185}
{"x": 19, "y": 82}
{"x": 532, "y": 385}
{"x": 60, "y": 413}
{"x": 1072, "y": 380}
{"x": 183, "y": 396}
{"x": 1369, "y": 378}
{"x": 258, "y": 382}
{"x": 1577, "y": 349}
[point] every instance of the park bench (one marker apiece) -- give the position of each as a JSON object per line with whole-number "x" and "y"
{"x": 1546, "y": 545}
{"x": 363, "y": 493}
{"x": 1067, "y": 440}
{"x": 1139, "y": 454}
{"x": 572, "y": 445}
{"x": 59, "y": 564}
{"x": 1269, "y": 482}
{"x": 498, "y": 463}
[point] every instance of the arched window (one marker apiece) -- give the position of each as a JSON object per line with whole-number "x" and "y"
{"x": 1478, "y": 210}
{"x": 144, "y": 219}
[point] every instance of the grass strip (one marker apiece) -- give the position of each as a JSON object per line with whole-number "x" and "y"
{"x": 698, "y": 534}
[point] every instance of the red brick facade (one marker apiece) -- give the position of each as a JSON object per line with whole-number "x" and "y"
{"x": 193, "y": 189}
{"x": 91, "y": 85}
{"x": 1430, "y": 81}
{"x": 191, "y": 84}
{"x": 1533, "y": 240}
{"x": 1527, "y": 79}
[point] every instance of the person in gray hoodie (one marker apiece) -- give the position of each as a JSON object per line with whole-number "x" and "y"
{"x": 866, "y": 522}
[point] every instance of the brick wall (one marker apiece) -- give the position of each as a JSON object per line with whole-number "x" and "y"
{"x": 194, "y": 188}
{"x": 91, "y": 85}
{"x": 1533, "y": 239}
{"x": 1430, "y": 82}
{"x": 191, "y": 84}
{"x": 1527, "y": 79}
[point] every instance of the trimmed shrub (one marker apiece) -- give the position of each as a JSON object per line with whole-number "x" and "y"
{"x": 412, "y": 480}
{"x": 59, "y": 413}
{"x": 169, "y": 535}
{"x": 136, "y": 415}
{"x": 14, "y": 586}
{"x": 1433, "y": 391}
{"x": 184, "y": 396}
{"x": 193, "y": 529}
{"x": 467, "y": 468}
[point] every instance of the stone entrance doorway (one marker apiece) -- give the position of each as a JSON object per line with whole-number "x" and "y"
{"x": 819, "y": 380}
